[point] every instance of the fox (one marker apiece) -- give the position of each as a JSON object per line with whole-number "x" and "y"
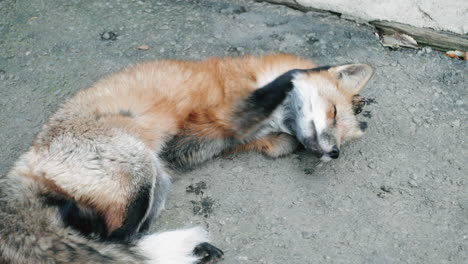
{"x": 97, "y": 174}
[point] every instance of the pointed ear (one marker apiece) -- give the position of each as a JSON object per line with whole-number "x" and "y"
{"x": 352, "y": 77}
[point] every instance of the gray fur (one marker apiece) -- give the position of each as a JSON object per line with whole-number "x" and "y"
{"x": 186, "y": 152}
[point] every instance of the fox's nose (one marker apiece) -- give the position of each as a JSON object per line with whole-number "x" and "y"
{"x": 334, "y": 153}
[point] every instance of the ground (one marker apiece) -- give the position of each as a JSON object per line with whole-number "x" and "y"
{"x": 398, "y": 195}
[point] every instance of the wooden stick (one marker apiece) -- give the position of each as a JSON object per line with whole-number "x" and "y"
{"x": 425, "y": 37}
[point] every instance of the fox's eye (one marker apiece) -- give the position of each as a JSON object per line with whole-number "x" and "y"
{"x": 334, "y": 111}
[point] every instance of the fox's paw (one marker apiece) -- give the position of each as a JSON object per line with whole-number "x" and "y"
{"x": 281, "y": 144}
{"x": 208, "y": 253}
{"x": 186, "y": 246}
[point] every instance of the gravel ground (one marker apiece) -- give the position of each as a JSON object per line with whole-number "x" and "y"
{"x": 398, "y": 195}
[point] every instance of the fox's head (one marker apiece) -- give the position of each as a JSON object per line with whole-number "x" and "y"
{"x": 322, "y": 106}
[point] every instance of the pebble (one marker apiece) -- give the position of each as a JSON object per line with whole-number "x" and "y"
{"x": 238, "y": 169}
{"x": 243, "y": 258}
{"x": 386, "y": 188}
{"x": 456, "y": 123}
{"x": 144, "y": 47}
{"x": 427, "y": 49}
{"x": 308, "y": 235}
{"x": 413, "y": 183}
{"x": 109, "y": 35}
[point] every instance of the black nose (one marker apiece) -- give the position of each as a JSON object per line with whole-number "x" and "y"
{"x": 334, "y": 153}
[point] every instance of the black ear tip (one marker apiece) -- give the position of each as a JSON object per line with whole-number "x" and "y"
{"x": 363, "y": 125}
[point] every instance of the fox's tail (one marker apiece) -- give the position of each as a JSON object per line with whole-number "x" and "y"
{"x": 30, "y": 232}
{"x": 174, "y": 247}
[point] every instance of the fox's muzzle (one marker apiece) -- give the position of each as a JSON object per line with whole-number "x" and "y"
{"x": 312, "y": 145}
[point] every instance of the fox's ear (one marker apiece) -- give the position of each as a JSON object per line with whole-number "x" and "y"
{"x": 352, "y": 77}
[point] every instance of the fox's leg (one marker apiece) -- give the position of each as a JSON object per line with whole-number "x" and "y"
{"x": 273, "y": 145}
{"x": 186, "y": 152}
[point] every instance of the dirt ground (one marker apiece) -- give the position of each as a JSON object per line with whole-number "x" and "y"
{"x": 398, "y": 195}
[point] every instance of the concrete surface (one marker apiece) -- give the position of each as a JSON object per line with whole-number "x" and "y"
{"x": 448, "y": 15}
{"x": 399, "y": 195}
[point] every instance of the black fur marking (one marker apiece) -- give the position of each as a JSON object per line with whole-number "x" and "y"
{"x": 135, "y": 214}
{"x": 86, "y": 221}
{"x": 126, "y": 113}
{"x": 207, "y": 253}
{"x": 262, "y": 102}
{"x": 335, "y": 112}
{"x": 267, "y": 98}
{"x": 318, "y": 69}
{"x": 290, "y": 123}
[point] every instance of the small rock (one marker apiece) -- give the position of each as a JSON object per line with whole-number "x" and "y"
{"x": 240, "y": 10}
{"x": 308, "y": 235}
{"x": 144, "y": 47}
{"x": 427, "y": 49}
{"x": 109, "y": 35}
{"x": 413, "y": 183}
{"x": 386, "y": 189}
{"x": 456, "y": 123}
{"x": 311, "y": 39}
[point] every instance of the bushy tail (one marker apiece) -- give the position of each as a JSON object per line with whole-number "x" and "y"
{"x": 174, "y": 247}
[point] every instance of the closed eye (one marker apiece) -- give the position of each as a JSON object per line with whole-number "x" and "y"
{"x": 334, "y": 112}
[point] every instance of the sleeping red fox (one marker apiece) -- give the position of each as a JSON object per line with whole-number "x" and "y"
{"x": 94, "y": 179}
